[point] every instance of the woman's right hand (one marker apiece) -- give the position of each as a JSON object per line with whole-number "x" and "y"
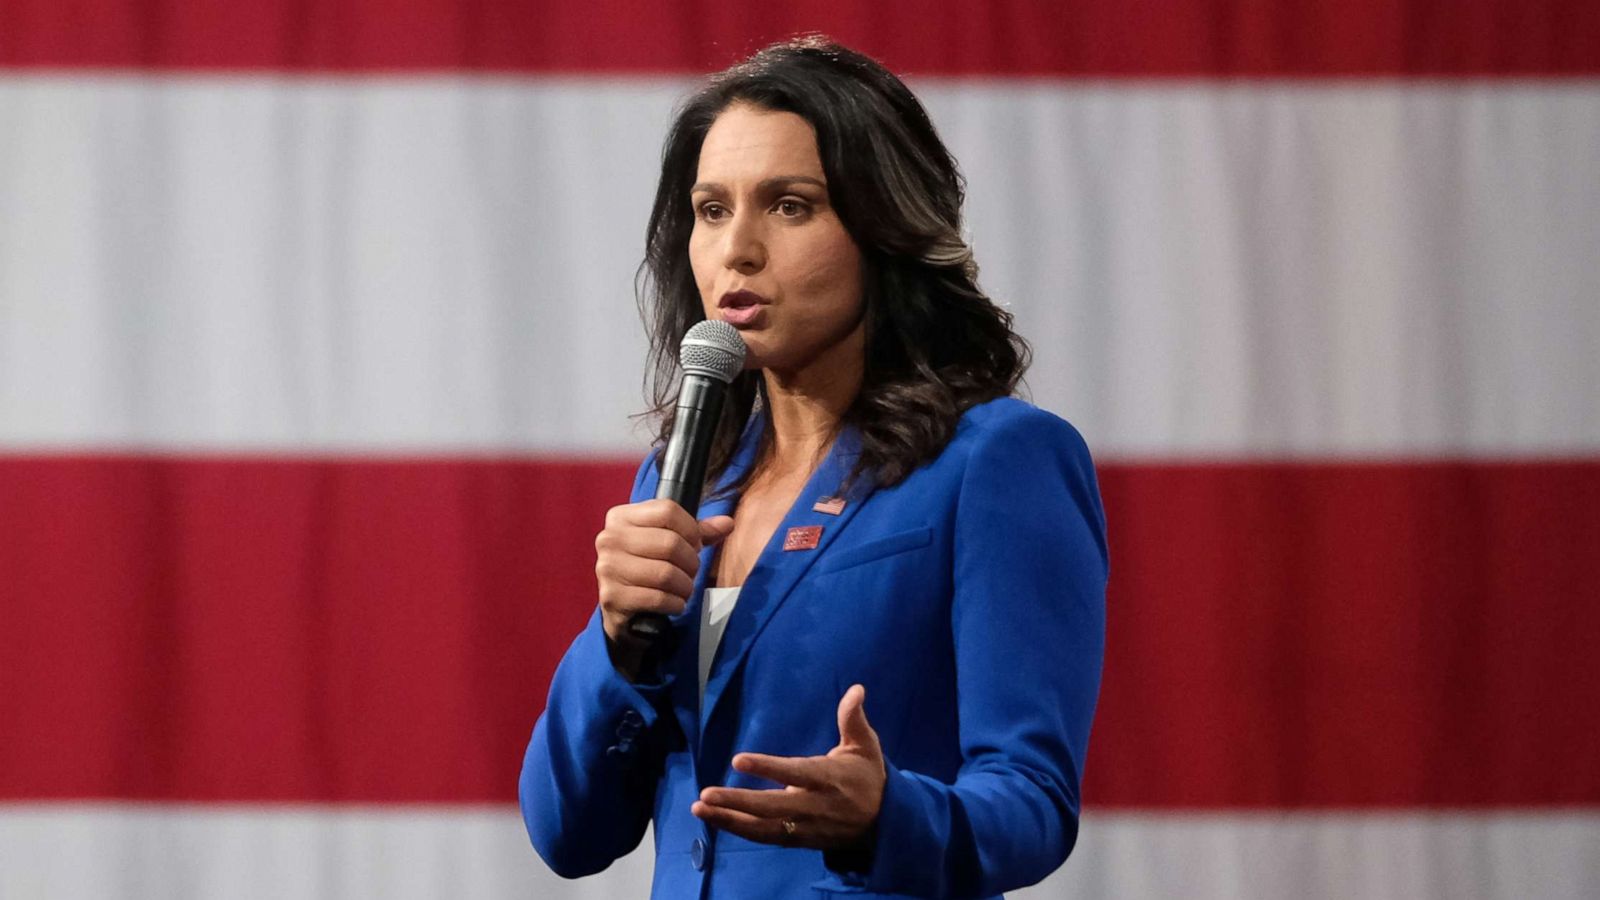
{"x": 645, "y": 561}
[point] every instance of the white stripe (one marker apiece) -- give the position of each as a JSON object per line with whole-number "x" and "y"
{"x": 300, "y": 853}
{"x": 445, "y": 264}
{"x": 109, "y": 851}
{"x": 1304, "y": 855}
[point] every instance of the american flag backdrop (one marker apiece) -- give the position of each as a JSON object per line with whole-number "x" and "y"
{"x": 318, "y": 349}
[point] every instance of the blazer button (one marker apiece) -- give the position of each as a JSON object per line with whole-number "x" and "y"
{"x": 697, "y": 855}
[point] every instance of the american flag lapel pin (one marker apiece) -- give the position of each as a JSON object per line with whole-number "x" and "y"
{"x": 830, "y": 505}
{"x": 802, "y": 537}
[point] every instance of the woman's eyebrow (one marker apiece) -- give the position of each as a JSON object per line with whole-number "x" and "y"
{"x": 767, "y": 184}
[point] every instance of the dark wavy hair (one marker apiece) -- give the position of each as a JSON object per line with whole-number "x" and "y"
{"x": 936, "y": 345}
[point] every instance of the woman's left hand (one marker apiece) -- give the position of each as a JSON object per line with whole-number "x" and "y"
{"x": 828, "y": 802}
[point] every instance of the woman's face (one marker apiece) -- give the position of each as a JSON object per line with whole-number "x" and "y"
{"x": 769, "y": 254}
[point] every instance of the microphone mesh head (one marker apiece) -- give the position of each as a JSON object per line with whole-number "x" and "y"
{"x": 712, "y": 348}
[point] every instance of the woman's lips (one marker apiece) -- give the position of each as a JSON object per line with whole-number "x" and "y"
{"x": 741, "y": 308}
{"x": 740, "y": 316}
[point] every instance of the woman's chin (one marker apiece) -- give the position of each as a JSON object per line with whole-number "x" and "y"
{"x": 757, "y": 355}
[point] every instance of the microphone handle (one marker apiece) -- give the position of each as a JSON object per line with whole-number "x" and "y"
{"x": 683, "y": 470}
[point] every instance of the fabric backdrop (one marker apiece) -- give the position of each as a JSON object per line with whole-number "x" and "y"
{"x": 318, "y": 349}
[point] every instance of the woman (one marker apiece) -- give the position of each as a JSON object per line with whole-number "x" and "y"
{"x": 886, "y": 528}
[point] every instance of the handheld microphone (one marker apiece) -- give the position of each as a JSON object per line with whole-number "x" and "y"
{"x": 711, "y": 354}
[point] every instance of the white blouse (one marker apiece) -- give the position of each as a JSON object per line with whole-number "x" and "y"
{"x": 714, "y": 614}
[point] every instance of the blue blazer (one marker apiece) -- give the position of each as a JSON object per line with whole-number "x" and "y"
{"x": 970, "y": 601}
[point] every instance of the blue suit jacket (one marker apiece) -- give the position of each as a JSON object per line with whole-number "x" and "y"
{"x": 970, "y": 601}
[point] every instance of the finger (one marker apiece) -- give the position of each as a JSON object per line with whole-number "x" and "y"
{"x": 777, "y": 804}
{"x": 808, "y": 772}
{"x": 625, "y": 601}
{"x": 658, "y": 543}
{"x": 714, "y": 529}
{"x": 662, "y": 514}
{"x": 854, "y": 731}
{"x": 751, "y": 828}
{"x": 654, "y": 574}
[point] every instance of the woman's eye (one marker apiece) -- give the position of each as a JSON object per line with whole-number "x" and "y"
{"x": 712, "y": 212}
{"x": 791, "y": 208}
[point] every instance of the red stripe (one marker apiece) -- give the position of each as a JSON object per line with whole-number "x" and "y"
{"x": 1280, "y": 635}
{"x": 1165, "y": 38}
{"x": 257, "y": 630}
{"x": 1351, "y": 635}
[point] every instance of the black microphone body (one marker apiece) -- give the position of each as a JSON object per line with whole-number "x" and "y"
{"x": 711, "y": 355}
{"x": 683, "y": 465}
{"x": 683, "y": 468}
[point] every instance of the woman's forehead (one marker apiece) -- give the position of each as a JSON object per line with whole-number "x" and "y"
{"x": 750, "y": 144}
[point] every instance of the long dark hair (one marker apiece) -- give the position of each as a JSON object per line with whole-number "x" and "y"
{"x": 936, "y": 345}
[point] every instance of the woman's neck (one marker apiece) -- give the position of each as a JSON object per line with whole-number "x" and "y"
{"x": 807, "y": 405}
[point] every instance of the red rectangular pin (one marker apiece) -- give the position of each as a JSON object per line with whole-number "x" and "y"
{"x": 829, "y": 505}
{"x": 802, "y": 537}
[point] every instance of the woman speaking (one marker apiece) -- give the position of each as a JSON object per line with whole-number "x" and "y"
{"x": 887, "y": 531}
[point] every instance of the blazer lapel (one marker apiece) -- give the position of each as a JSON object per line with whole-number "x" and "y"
{"x": 685, "y": 661}
{"x": 777, "y": 571}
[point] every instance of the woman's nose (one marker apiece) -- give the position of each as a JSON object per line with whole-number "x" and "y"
{"x": 746, "y": 252}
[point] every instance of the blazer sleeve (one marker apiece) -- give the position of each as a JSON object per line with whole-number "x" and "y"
{"x": 589, "y": 775}
{"x": 1028, "y": 619}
